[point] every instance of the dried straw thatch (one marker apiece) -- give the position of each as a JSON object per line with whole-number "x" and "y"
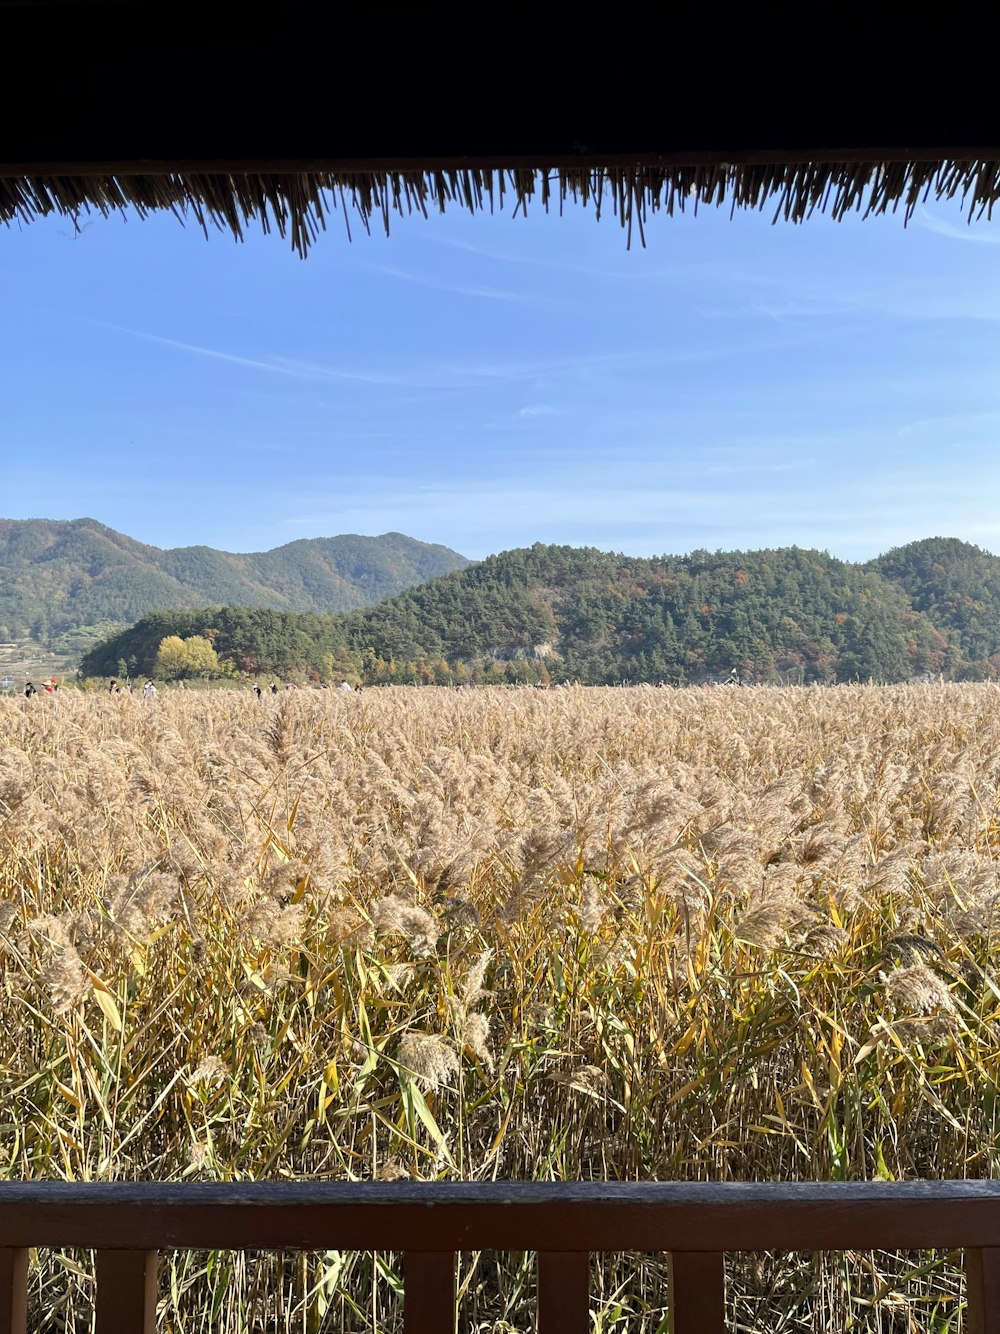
{"x": 297, "y": 199}
{"x": 232, "y": 120}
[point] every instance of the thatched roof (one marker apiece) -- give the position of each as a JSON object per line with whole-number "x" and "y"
{"x": 271, "y": 129}
{"x": 300, "y": 200}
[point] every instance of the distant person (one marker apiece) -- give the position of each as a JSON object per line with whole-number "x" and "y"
{"x": 29, "y": 690}
{"x": 149, "y": 691}
{"x": 114, "y": 688}
{"x": 274, "y": 687}
{"x": 49, "y": 687}
{"x": 257, "y": 691}
{"x": 344, "y": 688}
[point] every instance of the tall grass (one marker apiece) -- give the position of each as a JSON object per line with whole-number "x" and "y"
{"x": 599, "y": 934}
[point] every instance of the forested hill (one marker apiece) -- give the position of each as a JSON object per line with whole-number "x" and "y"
{"x": 956, "y": 585}
{"x": 594, "y": 616}
{"x": 549, "y": 612}
{"x": 61, "y": 576}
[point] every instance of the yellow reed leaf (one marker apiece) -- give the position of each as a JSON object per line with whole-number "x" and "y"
{"x": 868, "y": 1047}
{"x": 106, "y": 1000}
{"x": 69, "y": 1095}
{"x": 109, "y": 1008}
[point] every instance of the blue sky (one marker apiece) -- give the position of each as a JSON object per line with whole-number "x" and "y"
{"x": 490, "y": 382}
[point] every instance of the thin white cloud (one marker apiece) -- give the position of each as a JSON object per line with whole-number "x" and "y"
{"x": 969, "y": 233}
{"x": 298, "y": 370}
{"x": 545, "y": 261}
{"x": 922, "y": 299}
{"x": 454, "y": 376}
{"x": 539, "y": 410}
{"x": 726, "y": 469}
{"x": 934, "y": 426}
{"x": 672, "y": 510}
{"x": 456, "y": 289}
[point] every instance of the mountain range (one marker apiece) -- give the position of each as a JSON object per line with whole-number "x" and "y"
{"x": 78, "y": 575}
{"x": 552, "y": 612}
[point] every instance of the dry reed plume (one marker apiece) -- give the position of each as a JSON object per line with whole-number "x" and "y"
{"x": 710, "y": 935}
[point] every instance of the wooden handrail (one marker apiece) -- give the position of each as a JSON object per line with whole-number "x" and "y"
{"x": 128, "y": 1223}
{"x": 453, "y": 1216}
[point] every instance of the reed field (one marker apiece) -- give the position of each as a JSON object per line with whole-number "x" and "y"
{"x": 726, "y": 934}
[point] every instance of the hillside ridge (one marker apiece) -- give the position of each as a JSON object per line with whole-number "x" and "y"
{"x": 80, "y": 578}
{"x": 550, "y": 613}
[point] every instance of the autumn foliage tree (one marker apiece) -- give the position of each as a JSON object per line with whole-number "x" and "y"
{"x": 179, "y": 658}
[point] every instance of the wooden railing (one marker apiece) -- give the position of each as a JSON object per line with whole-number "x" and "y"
{"x": 695, "y": 1224}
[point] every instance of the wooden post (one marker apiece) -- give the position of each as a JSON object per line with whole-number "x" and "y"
{"x": 429, "y": 1292}
{"x": 13, "y": 1290}
{"x": 697, "y": 1292}
{"x": 563, "y": 1292}
{"x": 126, "y": 1292}
{"x": 982, "y": 1291}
